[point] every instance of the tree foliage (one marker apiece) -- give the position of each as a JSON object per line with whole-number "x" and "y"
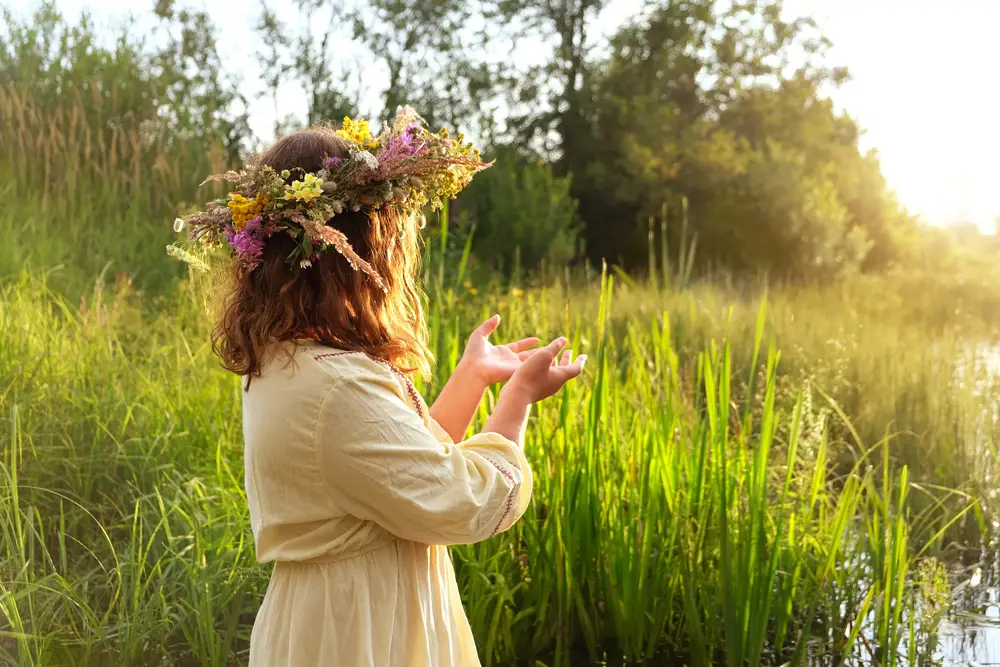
{"x": 524, "y": 214}
{"x": 723, "y": 105}
{"x": 171, "y": 84}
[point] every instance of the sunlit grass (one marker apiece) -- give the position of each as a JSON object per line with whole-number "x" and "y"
{"x": 733, "y": 482}
{"x": 685, "y": 505}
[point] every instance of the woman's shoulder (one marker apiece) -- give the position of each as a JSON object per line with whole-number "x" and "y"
{"x": 291, "y": 361}
{"x": 346, "y": 364}
{"x": 303, "y": 368}
{"x": 365, "y": 374}
{"x": 311, "y": 367}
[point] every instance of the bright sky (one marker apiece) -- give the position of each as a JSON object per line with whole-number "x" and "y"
{"x": 924, "y": 88}
{"x": 925, "y": 91}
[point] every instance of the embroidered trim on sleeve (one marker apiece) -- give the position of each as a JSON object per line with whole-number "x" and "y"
{"x": 410, "y": 389}
{"x": 510, "y": 496}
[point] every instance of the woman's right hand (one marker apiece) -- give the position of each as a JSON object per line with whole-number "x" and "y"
{"x": 545, "y": 372}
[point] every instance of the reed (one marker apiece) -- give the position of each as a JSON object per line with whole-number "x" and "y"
{"x": 91, "y": 184}
{"x": 679, "y": 512}
{"x": 700, "y": 497}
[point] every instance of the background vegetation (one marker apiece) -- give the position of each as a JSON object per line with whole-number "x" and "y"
{"x": 702, "y": 498}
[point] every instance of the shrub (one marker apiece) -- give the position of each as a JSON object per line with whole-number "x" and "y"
{"x": 524, "y": 215}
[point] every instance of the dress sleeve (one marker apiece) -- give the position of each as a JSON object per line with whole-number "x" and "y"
{"x": 381, "y": 463}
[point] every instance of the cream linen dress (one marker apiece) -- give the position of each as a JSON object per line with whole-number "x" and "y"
{"x": 354, "y": 491}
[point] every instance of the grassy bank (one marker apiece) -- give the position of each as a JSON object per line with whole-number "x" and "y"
{"x": 692, "y": 500}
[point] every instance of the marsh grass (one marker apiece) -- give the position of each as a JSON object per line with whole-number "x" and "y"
{"x": 700, "y": 497}
{"x": 682, "y": 508}
{"x": 90, "y": 184}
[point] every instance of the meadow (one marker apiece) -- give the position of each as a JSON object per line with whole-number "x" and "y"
{"x": 747, "y": 474}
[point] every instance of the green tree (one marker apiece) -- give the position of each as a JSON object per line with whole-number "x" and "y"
{"x": 424, "y": 48}
{"x": 195, "y": 92}
{"x": 797, "y": 116}
{"x": 549, "y": 100}
{"x": 414, "y": 39}
{"x": 709, "y": 103}
{"x": 779, "y": 218}
{"x": 524, "y": 214}
{"x": 875, "y": 208}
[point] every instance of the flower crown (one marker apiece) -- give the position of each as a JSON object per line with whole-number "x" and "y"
{"x": 406, "y": 167}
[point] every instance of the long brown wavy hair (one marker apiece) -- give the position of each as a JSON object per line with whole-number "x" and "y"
{"x": 329, "y": 302}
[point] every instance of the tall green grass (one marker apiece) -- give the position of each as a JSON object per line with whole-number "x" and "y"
{"x": 700, "y": 497}
{"x": 678, "y": 513}
{"x": 89, "y": 186}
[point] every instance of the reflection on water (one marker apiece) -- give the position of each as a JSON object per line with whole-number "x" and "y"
{"x": 972, "y": 635}
{"x": 969, "y": 645}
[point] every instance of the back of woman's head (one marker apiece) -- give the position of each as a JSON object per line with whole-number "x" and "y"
{"x": 329, "y": 302}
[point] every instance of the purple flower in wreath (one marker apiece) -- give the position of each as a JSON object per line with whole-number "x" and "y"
{"x": 403, "y": 146}
{"x": 248, "y": 243}
{"x": 332, "y": 162}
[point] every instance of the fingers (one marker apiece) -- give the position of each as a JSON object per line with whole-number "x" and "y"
{"x": 524, "y": 356}
{"x": 545, "y": 357}
{"x": 549, "y": 368}
{"x": 523, "y": 344}
{"x": 551, "y": 351}
{"x": 564, "y": 360}
{"x": 555, "y": 347}
{"x": 569, "y": 371}
{"x": 567, "y": 359}
{"x": 488, "y": 327}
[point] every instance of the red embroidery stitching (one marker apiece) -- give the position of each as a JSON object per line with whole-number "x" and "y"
{"x": 510, "y": 496}
{"x": 410, "y": 389}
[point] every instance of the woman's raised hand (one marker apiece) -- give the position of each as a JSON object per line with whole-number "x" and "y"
{"x": 540, "y": 375}
{"x": 545, "y": 372}
{"x": 494, "y": 363}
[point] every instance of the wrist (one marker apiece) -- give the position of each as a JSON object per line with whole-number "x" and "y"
{"x": 516, "y": 394}
{"x": 469, "y": 375}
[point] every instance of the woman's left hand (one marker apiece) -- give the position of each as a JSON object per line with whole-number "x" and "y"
{"x": 494, "y": 363}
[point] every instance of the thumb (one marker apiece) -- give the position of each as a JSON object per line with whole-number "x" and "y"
{"x": 488, "y": 327}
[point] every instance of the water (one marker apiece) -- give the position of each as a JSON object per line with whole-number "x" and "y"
{"x": 971, "y": 633}
{"x": 970, "y": 636}
{"x": 970, "y": 642}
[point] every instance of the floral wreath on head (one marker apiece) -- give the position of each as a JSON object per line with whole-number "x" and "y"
{"x": 405, "y": 167}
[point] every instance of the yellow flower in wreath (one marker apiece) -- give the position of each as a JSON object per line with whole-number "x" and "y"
{"x": 305, "y": 190}
{"x": 243, "y": 210}
{"x": 358, "y": 132}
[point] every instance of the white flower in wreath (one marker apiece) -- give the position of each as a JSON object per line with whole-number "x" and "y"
{"x": 370, "y": 160}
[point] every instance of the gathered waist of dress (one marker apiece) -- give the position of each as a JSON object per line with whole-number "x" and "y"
{"x": 343, "y": 554}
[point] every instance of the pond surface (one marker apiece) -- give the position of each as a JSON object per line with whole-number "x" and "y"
{"x": 971, "y": 635}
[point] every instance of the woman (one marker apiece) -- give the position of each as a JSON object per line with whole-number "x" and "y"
{"x": 355, "y": 487}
